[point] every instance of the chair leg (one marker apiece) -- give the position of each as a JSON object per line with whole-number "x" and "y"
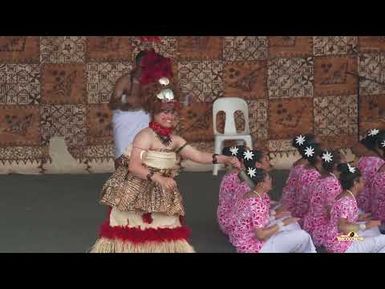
{"x": 249, "y": 143}
{"x": 217, "y": 150}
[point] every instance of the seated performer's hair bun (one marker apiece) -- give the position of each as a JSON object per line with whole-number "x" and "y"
{"x": 370, "y": 139}
{"x": 250, "y": 157}
{"x": 380, "y": 141}
{"x": 300, "y": 141}
{"x": 311, "y": 152}
{"x": 348, "y": 175}
{"x": 330, "y": 159}
{"x": 235, "y": 151}
{"x": 257, "y": 175}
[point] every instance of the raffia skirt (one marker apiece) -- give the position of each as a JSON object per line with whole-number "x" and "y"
{"x": 135, "y": 232}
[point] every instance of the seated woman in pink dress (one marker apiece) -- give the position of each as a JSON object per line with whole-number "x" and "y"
{"x": 229, "y": 184}
{"x": 347, "y": 232}
{"x": 322, "y": 195}
{"x": 233, "y": 186}
{"x": 369, "y": 163}
{"x": 252, "y": 231}
{"x": 259, "y": 159}
{"x": 378, "y": 184}
{"x": 306, "y": 178}
{"x": 289, "y": 191}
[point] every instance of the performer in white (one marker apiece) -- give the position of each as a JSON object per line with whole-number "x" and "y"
{"x": 128, "y": 114}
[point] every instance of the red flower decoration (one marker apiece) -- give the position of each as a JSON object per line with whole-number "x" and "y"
{"x": 154, "y": 66}
{"x": 159, "y": 129}
{"x": 147, "y": 218}
{"x": 137, "y": 235}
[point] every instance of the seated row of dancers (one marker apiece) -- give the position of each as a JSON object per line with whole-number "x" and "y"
{"x": 326, "y": 201}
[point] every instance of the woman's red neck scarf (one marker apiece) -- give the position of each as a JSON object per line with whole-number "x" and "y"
{"x": 163, "y": 133}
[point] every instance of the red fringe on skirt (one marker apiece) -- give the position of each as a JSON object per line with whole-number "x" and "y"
{"x": 138, "y": 235}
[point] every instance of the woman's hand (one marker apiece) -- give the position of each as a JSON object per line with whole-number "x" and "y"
{"x": 364, "y": 217}
{"x": 117, "y": 163}
{"x": 373, "y": 223}
{"x": 165, "y": 182}
{"x": 290, "y": 220}
{"x": 282, "y": 214}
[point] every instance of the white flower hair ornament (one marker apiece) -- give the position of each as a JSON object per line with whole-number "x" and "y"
{"x": 248, "y": 155}
{"x": 251, "y": 172}
{"x": 373, "y": 132}
{"x": 327, "y": 157}
{"x": 234, "y": 151}
{"x": 300, "y": 140}
{"x": 351, "y": 169}
{"x": 309, "y": 151}
{"x": 383, "y": 144}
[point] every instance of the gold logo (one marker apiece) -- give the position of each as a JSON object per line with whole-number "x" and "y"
{"x": 352, "y": 236}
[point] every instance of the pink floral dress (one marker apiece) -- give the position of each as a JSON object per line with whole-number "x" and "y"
{"x": 346, "y": 208}
{"x": 229, "y": 184}
{"x": 305, "y": 182}
{"x": 368, "y": 167}
{"x": 249, "y": 214}
{"x": 378, "y": 196}
{"x": 322, "y": 196}
{"x": 289, "y": 191}
{"x": 239, "y": 192}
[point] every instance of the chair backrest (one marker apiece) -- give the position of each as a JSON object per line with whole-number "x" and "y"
{"x": 229, "y": 105}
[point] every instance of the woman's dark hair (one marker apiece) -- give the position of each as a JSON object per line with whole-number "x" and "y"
{"x": 241, "y": 148}
{"x": 347, "y": 178}
{"x": 369, "y": 141}
{"x": 257, "y": 157}
{"x": 309, "y": 139}
{"x": 380, "y": 142}
{"x": 139, "y": 56}
{"x": 136, "y": 69}
{"x": 259, "y": 177}
{"x": 336, "y": 158}
{"x": 315, "y": 147}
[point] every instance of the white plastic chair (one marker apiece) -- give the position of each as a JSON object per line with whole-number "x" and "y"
{"x": 229, "y": 105}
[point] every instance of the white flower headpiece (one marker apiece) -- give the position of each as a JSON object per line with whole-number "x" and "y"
{"x": 234, "y": 151}
{"x": 251, "y": 172}
{"x": 327, "y": 157}
{"x": 351, "y": 169}
{"x": 309, "y": 151}
{"x": 248, "y": 155}
{"x": 300, "y": 140}
{"x": 373, "y": 132}
{"x": 383, "y": 144}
